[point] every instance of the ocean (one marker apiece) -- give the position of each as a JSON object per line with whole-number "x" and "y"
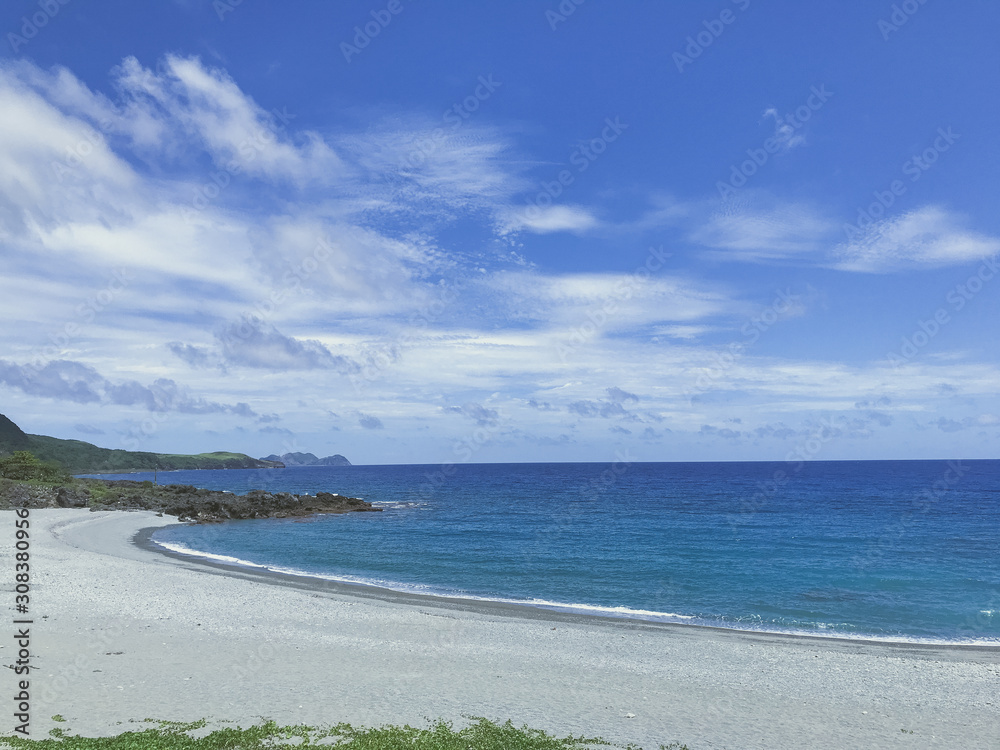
{"x": 893, "y": 550}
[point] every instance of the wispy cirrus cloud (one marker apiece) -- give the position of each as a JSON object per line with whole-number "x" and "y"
{"x": 566, "y": 300}
{"x": 759, "y": 231}
{"x": 769, "y": 234}
{"x": 385, "y": 255}
{"x": 186, "y": 101}
{"x": 927, "y": 237}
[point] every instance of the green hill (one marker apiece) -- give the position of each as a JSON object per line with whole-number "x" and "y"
{"x": 79, "y": 457}
{"x": 12, "y": 437}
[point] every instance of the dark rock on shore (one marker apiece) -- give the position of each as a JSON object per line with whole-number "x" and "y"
{"x": 184, "y": 501}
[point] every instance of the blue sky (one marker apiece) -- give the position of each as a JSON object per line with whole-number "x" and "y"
{"x": 503, "y": 231}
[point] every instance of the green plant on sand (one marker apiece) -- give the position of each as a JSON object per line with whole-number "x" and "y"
{"x": 170, "y": 735}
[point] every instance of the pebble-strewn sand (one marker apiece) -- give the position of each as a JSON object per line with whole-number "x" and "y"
{"x": 123, "y": 633}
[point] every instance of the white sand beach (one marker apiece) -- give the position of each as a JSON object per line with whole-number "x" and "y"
{"x": 121, "y": 632}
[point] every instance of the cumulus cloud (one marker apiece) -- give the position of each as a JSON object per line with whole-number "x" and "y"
{"x": 540, "y": 405}
{"x": 62, "y": 380}
{"x": 73, "y": 381}
{"x": 195, "y": 356}
{"x": 255, "y": 344}
{"x": 722, "y": 432}
{"x": 562, "y": 439}
{"x": 873, "y": 410}
{"x": 946, "y": 424}
{"x": 610, "y": 408}
{"x": 478, "y": 413}
{"x": 618, "y": 396}
{"x": 841, "y": 426}
{"x": 778, "y": 430}
{"x": 369, "y": 422}
{"x": 602, "y": 409}
{"x": 949, "y": 425}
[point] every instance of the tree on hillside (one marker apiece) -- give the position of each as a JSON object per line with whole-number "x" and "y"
{"x": 24, "y": 466}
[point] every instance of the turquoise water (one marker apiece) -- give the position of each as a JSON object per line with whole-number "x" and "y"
{"x": 885, "y": 549}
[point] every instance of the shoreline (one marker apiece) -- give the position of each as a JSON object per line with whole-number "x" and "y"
{"x": 527, "y": 610}
{"x": 123, "y": 632}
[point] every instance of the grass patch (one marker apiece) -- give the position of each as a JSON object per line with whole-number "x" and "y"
{"x": 168, "y": 735}
{"x": 98, "y": 492}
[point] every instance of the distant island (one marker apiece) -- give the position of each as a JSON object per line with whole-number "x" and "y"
{"x": 79, "y": 457}
{"x": 307, "y": 459}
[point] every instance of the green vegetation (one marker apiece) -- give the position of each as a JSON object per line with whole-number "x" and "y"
{"x": 168, "y": 735}
{"x": 12, "y": 437}
{"x": 24, "y": 467}
{"x": 79, "y": 457}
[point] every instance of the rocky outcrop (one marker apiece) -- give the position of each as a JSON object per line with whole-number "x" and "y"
{"x": 218, "y": 506}
{"x": 186, "y": 502}
{"x": 72, "y": 497}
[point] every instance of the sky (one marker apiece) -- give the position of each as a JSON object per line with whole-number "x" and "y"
{"x": 444, "y": 232}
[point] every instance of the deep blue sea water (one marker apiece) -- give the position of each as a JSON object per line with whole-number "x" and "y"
{"x": 884, "y": 549}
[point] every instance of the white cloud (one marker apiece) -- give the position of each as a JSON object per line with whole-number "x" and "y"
{"x": 620, "y": 301}
{"x": 163, "y": 243}
{"x": 254, "y": 344}
{"x": 426, "y": 330}
{"x": 688, "y": 332}
{"x": 785, "y": 134}
{"x": 547, "y": 220}
{"x": 51, "y": 163}
{"x": 189, "y": 101}
{"x": 411, "y": 165}
{"x": 926, "y": 237}
{"x": 763, "y": 234}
